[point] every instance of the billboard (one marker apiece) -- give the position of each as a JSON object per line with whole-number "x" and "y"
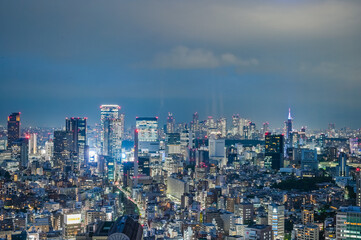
{"x": 72, "y": 219}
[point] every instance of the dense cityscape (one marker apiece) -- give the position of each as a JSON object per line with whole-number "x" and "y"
{"x": 163, "y": 179}
{"x": 180, "y": 120}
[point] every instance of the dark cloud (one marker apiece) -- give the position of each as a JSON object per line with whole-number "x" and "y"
{"x": 215, "y": 57}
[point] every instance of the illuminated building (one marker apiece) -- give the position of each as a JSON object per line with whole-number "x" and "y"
{"x": 307, "y": 232}
{"x": 309, "y": 159}
{"x": 170, "y": 123}
{"x": 222, "y": 126}
{"x": 107, "y": 112}
{"x": 276, "y": 218}
{"x": 308, "y": 215}
{"x": 72, "y": 225}
{"x": 354, "y": 148}
{"x": 20, "y": 152}
{"x": 358, "y": 187}
{"x": 78, "y": 127}
{"x": 342, "y": 168}
{"x": 288, "y": 125}
{"x": 63, "y": 147}
{"x": 33, "y": 143}
{"x": 148, "y": 133}
{"x": 348, "y": 223}
{"x": 259, "y": 232}
{"x": 13, "y": 128}
{"x": 274, "y": 150}
{"x": 113, "y": 134}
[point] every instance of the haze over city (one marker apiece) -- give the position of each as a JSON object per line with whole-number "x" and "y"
{"x": 180, "y": 120}
{"x": 215, "y": 57}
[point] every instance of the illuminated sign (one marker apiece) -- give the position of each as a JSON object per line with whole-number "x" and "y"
{"x": 72, "y": 219}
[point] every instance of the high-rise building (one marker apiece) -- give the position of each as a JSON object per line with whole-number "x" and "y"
{"x": 342, "y": 169}
{"x": 348, "y": 223}
{"x": 107, "y": 112}
{"x": 113, "y": 135}
{"x": 222, "y": 126}
{"x": 245, "y": 211}
{"x": 20, "y": 152}
{"x": 148, "y": 133}
{"x": 358, "y": 187}
{"x": 170, "y": 123}
{"x": 306, "y": 232}
{"x": 33, "y": 143}
{"x": 276, "y": 218}
{"x": 274, "y": 151}
{"x": 259, "y": 232}
{"x": 288, "y": 124}
{"x": 236, "y": 125}
{"x": 78, "y": 127}
{"x": 13, "y": 128}
{"x": 265, "y": 128}
{"x": 63, "y": 148}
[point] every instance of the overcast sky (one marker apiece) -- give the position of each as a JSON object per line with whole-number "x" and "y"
{"x": 255, "y": 58}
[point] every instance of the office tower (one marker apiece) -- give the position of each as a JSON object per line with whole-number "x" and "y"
{"x": 288, "y": 124}
{"x": 136, "y": 151}
{"x": 222, "y": 126}
{"x": 307, "y": 215}
{"x": 265, "y": 128}
{"x": 33, "y": 147}
{"x": 147, "y": 134}
{"x": 124, "y": 228}
{"x": 252, "y": 130}
{"x": 170, "y": 123}
{"x": 195, "y": 122}
{"x": 128, "y": 173}
{"x": 236, "y": 125}
{"x": 107, "y": 112}
{"x": 348, "y": 225}
{"x": 217, "y": 149}
{"x": 49, "y": 149}
{"x": 13, "y": 128}
{"x": 259, "y": 232}
{"x": 358, "y": 187}
{"x": 113, "y": 135}
{"x": 245, "y": 211}
{"x": 274, "y": 149}
{"x": 342, "y": 169}
{"x": 276, "y": 218}
{"x": 306, "y": 232}
{"x": 354, "y": 148}
{"x": 63, "y": 148}
{"x": 309, "y": 160}
{"x": 78, "y": 128}
{"x": 20, "y": 152}
{"x": 144, "y": 165}
{"x": 173, "y": 141}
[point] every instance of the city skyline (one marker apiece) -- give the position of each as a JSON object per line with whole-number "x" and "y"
{"x": 155, "y": 58}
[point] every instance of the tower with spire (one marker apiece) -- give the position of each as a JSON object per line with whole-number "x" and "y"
{"x": 289, "y": 125}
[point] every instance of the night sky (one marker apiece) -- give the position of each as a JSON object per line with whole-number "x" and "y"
{"x": 256, "y": 58}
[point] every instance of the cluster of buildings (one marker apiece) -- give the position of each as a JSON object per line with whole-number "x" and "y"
{"x": 199, "y": 180}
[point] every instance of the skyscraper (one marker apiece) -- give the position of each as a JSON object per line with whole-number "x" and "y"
{"x": 276, "y": 218}
{"x": 274, "y": 149}
{"x": 13, "y": 128}
{"x": 148, "y": 133}
{"x": 63, "y": 148}
{"x": 288, "y": 125}
{"x": 348, "y": 225}
{"x": 78, "y": 126}
{"x": 107, "y": 112}
{"x": 170, "y": 123}
{"x": 113, "y": 134}
{"x": 33, "y": 143}
{"x": 358, "y": 187}
{"x": 20, "y": 152}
